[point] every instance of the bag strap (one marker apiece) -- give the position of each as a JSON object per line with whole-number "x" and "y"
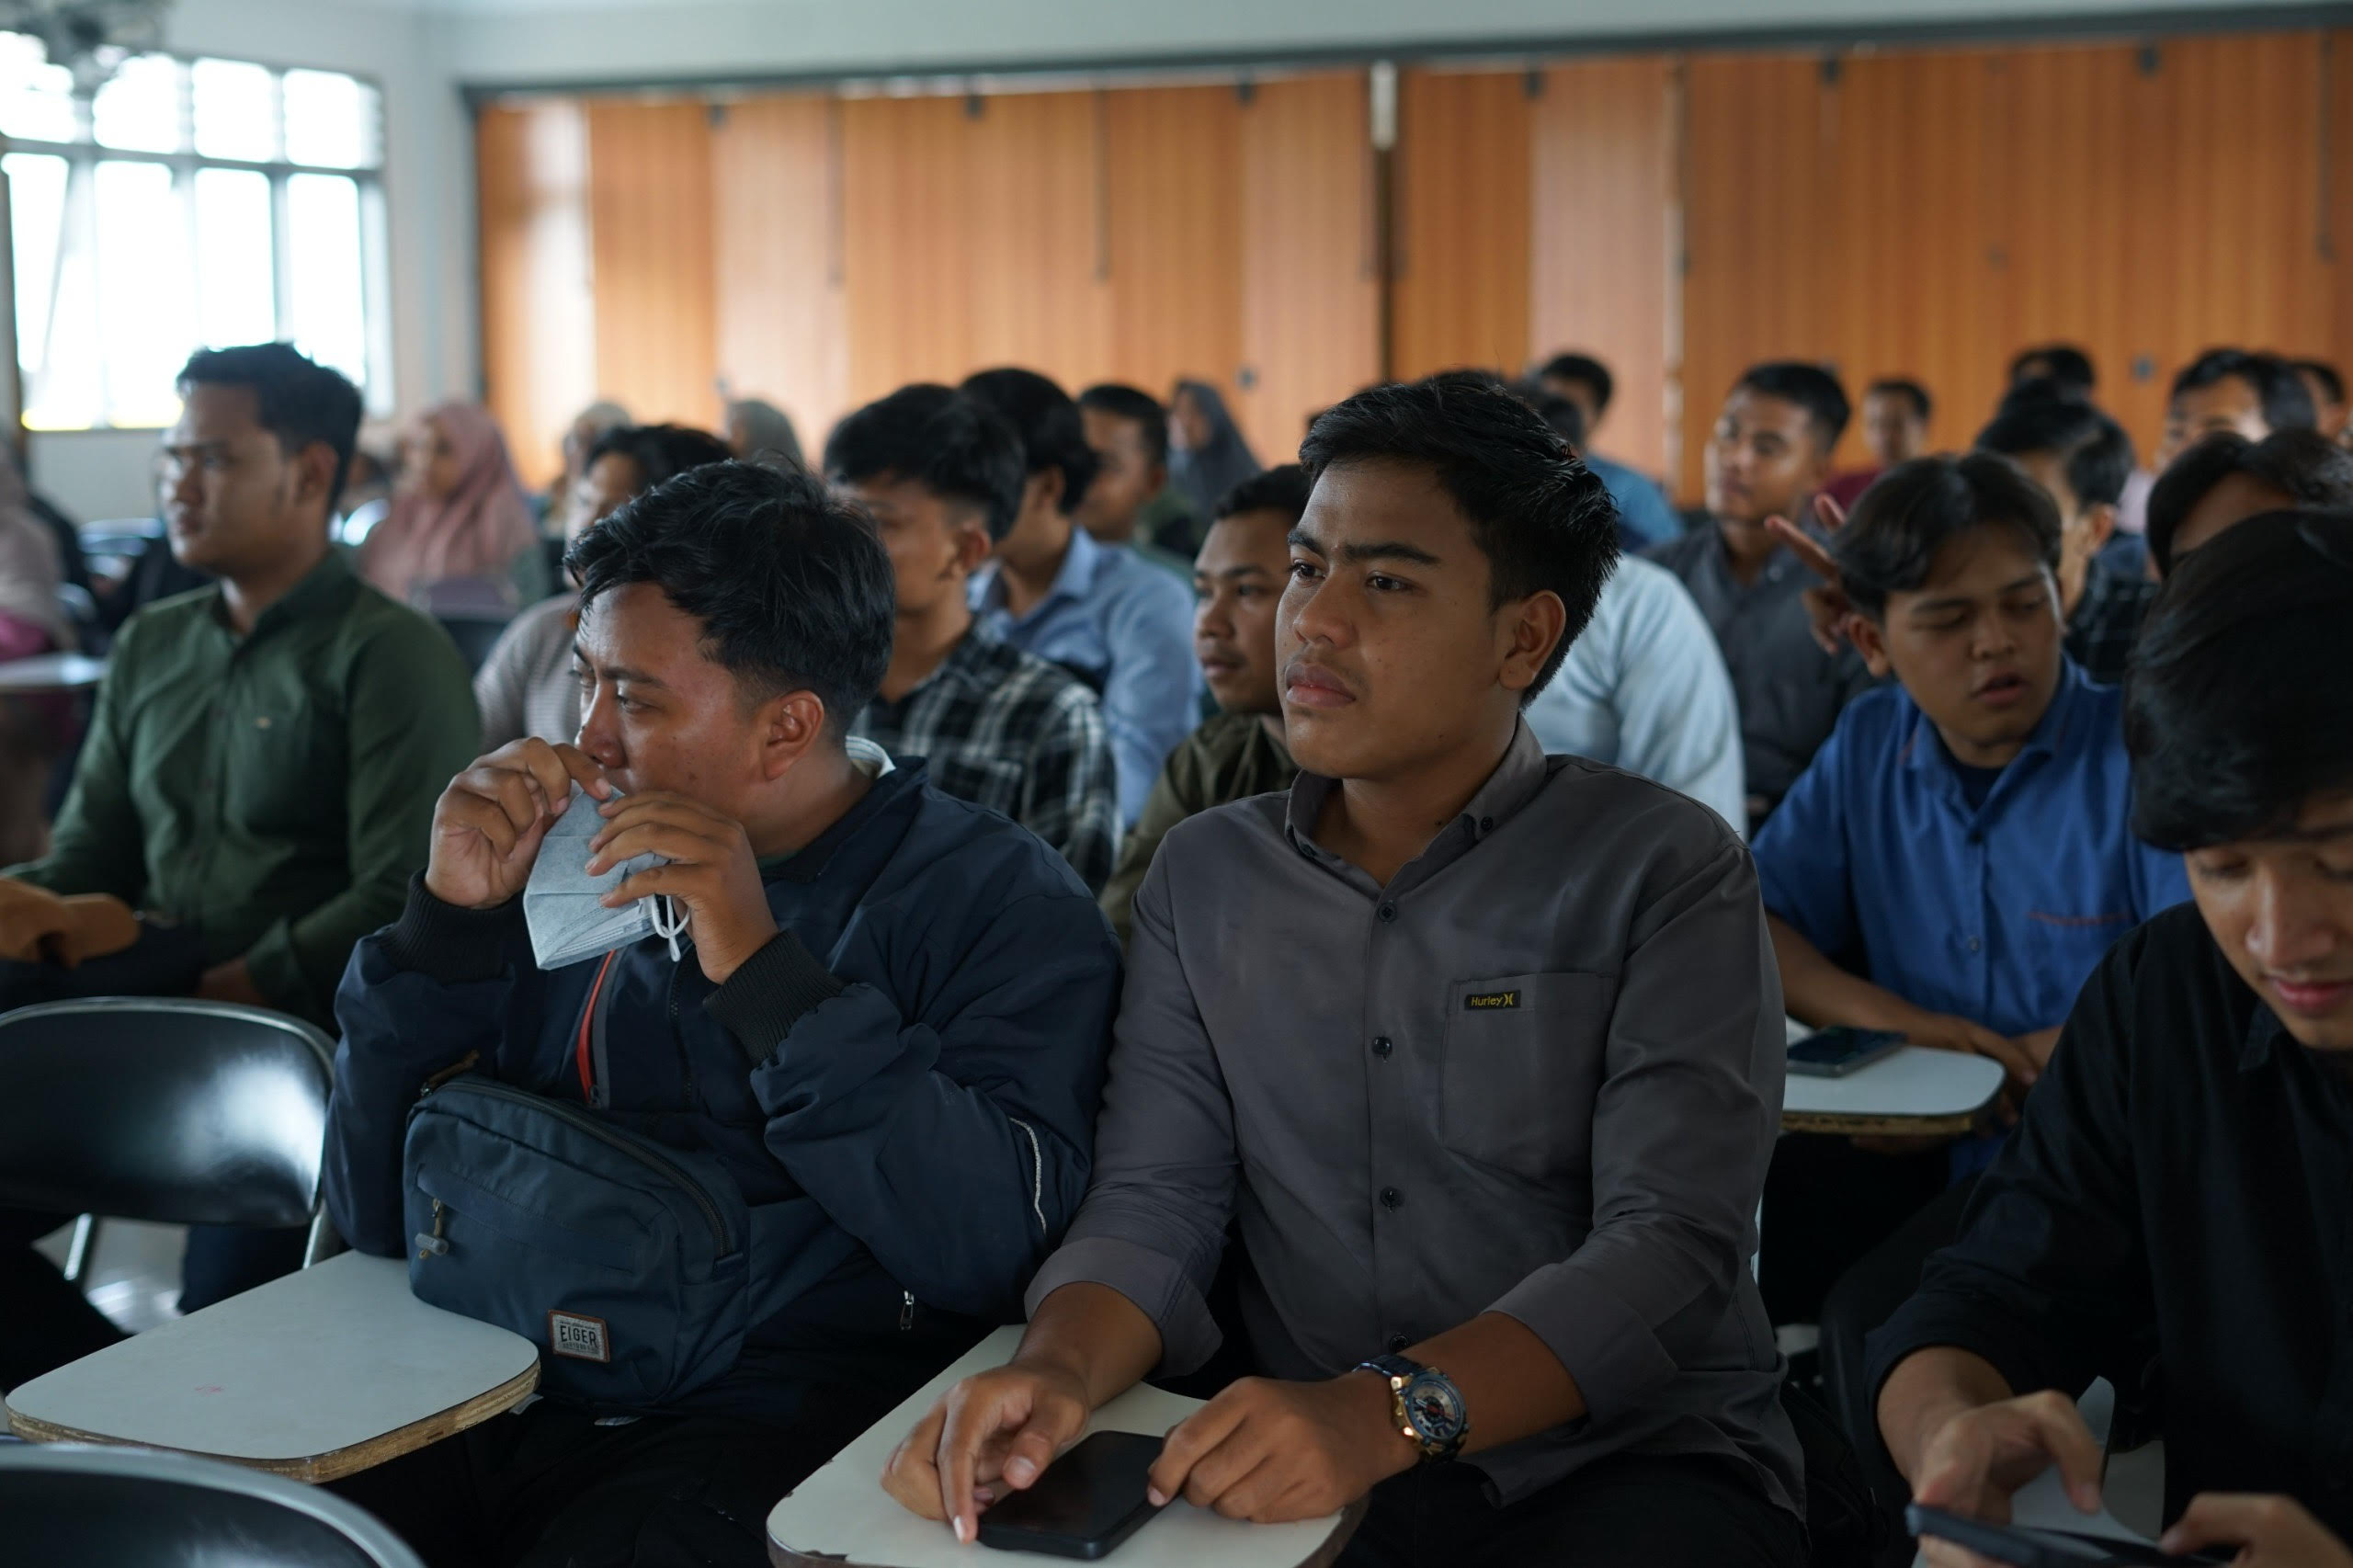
{"x": 589, "y": 1050}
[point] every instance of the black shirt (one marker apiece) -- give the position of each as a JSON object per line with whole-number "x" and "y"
{"x": 2181, "y": 1186}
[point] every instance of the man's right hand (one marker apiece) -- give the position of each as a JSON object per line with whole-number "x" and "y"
{"x": 1945, "y": 1031}
{"x": 489, "y": 822}
{"x": 991, "y": 1434}
{"x": 1974, "y": 1461}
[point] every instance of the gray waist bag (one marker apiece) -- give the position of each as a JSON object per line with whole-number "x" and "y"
{"x": 621, "y": 1258}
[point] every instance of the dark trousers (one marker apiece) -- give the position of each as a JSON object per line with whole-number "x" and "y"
{"x": 550, "y": 1488}
{"x": 1633, "y": 1511}
{"x": 1827, "y": 1204}
{"x": 44, "y": 1321}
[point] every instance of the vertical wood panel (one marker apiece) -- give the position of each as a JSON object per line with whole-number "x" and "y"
{"x": 779, "y": 308}
{"x": 1463, "y": 199}
{"x": 649, "y": 226}
{"x": 1174, "y": 228}
{"x": 1309, "y": 297}
{"x": 538, "y": 317}
{"x": 1603, "y": 278}
{"x": 905, "y": 233}
{"x": 1041, "y": 295}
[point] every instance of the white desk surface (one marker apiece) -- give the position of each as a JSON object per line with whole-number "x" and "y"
{"x": 842, "y": 1511}
{"x": 1916, "y": 1083}
{"x": 323, "y": 1372}
{"x": 52, "y": 672}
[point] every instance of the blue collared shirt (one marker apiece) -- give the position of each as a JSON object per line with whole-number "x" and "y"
{"x": 1643, "y": 515}
{"x": 1997, "y": 914}
{"x": 1644, "y": 689}
{"x": 1125, "y": 628}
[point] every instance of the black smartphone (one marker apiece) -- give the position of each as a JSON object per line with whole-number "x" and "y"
{"x": 1088, "y": 1501}
{"x": 1836, "y": 1051}
{"x": 2028, "y": 1548}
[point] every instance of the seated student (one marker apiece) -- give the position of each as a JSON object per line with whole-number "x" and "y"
{"x": 527, "y": 684}
{"x": 2067, "y": 368}
{"x": 1895, "y": 428}
{"x": 2176, "y": 1189}
{"x": 888, "y": 1027}
{"x": 1532, "y": 1193}
{"x": 2225, "y": 479}
{"x": 1769, "y": 454}
{"x": 1115, "y": 623}
{"x": 2232, "y": 390}
{"x": 1237, "y": 580}
{"x": 1131, "y": 500}
{"x": 1642, "y": 509}
{"x": 2082, "y": 457}
{"x": 942, "y": 477}
{"x": 2326, "y": 389}
{"x": 1960, "y": 841}
{"x": 459, "y": 536}
{"x": 261, "y": 760}
{"x": 1208, "y": 453}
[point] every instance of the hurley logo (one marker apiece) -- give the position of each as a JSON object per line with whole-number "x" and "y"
{"x": 581, "y": 1337}
{"x": 1487, "y": 1001}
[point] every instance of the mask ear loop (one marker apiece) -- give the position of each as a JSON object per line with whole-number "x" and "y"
{"x": 669, "y": 920}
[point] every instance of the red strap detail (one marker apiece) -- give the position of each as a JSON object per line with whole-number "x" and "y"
{"x": 580, "y": 1056}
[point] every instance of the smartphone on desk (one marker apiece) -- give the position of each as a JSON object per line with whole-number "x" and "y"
{"x": 1088, "y": 1501}
{"x": 2024, "y": 1546}
{"x": 1834, "y": 1053}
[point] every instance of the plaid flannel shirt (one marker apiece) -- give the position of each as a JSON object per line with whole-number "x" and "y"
{"x": 2106, "y": 626}
{"x": 1009, "y": 731}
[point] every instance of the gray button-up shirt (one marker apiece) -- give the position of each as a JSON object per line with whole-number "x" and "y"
{"x": 1538, "y": 1073}
{"x": 1791, "y": 692}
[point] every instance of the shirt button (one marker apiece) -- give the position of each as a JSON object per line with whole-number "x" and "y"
{"x": 1486, "y": 825}
{"x": 1387, "y": 912}
{"x": 1392, "y": 1198}
{"x": 1397, "y": 1343}
{"x": 1382, "y": 1047}
{"x": 1974, "y": 944}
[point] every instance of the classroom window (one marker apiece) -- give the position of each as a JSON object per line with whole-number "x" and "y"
{"x": 187, "y": 204}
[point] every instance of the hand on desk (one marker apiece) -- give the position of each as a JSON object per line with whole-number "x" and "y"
{"x": 2271, "y": 1532}
{"x": 1271, "y": 1453}
{"x": 37, "y": 925}
{"x": 996, "y": 1431}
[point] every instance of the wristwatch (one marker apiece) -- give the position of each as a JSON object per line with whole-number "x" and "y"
{"x": 1426, "y": 1405}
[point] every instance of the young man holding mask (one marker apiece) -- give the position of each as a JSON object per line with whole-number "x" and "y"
{"x": 1426, "y": 1029}
{"x": 887, "y": 1027}
{"x": 2176, "y": 1186}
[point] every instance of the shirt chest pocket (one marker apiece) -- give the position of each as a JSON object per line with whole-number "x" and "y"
{"x": 283, "y": 767}
{"x": 1523, "y": 1064}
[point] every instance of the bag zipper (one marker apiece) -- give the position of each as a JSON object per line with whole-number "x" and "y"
{"x": 614, "y": 1139}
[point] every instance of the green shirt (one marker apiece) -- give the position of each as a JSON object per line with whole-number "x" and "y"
{"x": 1230, "y": 758}
{"x": 273, "y": 790}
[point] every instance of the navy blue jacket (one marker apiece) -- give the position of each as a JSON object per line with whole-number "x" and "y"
{"x": 910, "y": 1070}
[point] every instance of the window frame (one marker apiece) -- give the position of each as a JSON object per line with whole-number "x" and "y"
{"x": 86, "y": 153}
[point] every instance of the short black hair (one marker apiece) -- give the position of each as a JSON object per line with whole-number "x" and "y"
{"x": 296, "y": 399}
{"x": 1912, "y": 511}
{"x": 2324, "y": 373}
{"x": 2230, "y": 717}
{"x": 1283, "y": 488}
{"x": 1124, "y": 402}
{"x": 2093, "y": 450}
{"x": 1905, "y": 387}
{"x": 1586, "y": 369}
{"x": 2300, "y": 464}
{"x": 2287, "y": 402}
{"x": 1046, "y": 419}
{"x": 1811, "y": 387}
{"x": 789, "y": 582}
{"x": 660, "y": 451}
{"x": 1561, "y": 414}
{"x": 1544, "y": 519}
{"x": 2064, "y": 365}
{"x": 956, "y": 446}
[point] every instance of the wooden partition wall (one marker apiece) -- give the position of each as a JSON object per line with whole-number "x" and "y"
{"x": 1919, "y": 212}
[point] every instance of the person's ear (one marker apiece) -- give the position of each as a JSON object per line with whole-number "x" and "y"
{"x": 972, "y": 546}
{"x": 2098, "y": 523}
{"x": 789, "y": 727}
{"x": 1155, "y": 479}
{"x": 1536, "y": 625}
{"x": 1869, "y": 637}
{"x": 1044, "y": 490}
{"x": 313, "y": 473}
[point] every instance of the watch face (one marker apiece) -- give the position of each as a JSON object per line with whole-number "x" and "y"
{"x": 1435, "y": 1407}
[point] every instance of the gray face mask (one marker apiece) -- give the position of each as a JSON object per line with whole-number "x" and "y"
{"x": 560, "y": 902}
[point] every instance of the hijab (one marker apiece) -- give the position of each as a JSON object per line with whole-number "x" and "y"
{"x": 477, "y": 530}
{"x": 768, "y": 435}
{"x": 1226, "y": 460}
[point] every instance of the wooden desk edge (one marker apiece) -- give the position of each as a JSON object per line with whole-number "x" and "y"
{"x": 1871, "y": 1126}
{"x": 334, "y": 1465}
{"x": 783, "y": 1556}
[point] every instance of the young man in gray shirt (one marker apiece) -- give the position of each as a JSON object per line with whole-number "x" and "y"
{"x": 1483, "y": 1051}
